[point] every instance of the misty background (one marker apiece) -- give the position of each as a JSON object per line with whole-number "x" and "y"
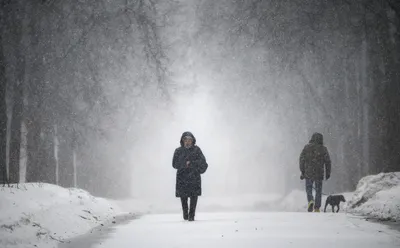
{"x": 96, "y": 94}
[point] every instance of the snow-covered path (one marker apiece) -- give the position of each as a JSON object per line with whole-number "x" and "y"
{"x": 245, "y": 230}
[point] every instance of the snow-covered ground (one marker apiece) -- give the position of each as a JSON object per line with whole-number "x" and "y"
{"x": 245, "y": 229}
{"x": 171, "y": 204}
{"x": 296, "y": 201}
{"x": 377, "y": 196}
{"x": 43, "y": 214}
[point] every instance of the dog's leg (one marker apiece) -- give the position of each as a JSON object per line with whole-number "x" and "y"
{"x": 338, "y": 208}
{"x": 333, "y": 208}
{"x": 326, "y": 204}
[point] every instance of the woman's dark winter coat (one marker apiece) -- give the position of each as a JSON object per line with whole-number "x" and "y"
{"x": 188, "y": 179}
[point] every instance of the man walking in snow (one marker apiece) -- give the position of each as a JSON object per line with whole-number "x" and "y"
{"x": 314, "y": 159}
{"x": 190, "y": 164}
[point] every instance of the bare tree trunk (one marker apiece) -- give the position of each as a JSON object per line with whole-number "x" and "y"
{"x": 391, "y": 36}
{"x": 47, "y": 165}
{"x": 75, "y": 169}
{"x": 23, "y": 154}
{"x": 3, "y": 106}
{"x": 65, "y": 157}
{"x": 15, "y": 139}
{"x": 32, "y": 148}
{"x": 363, "y": 104}
{"x": 3, "y": 117}
{"x": 56, "y": 147}
{"x": 17, "y": 111}
{"x": 346, "y": 147}
{"x": 35, "y": 112}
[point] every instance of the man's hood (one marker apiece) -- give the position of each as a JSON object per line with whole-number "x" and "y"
{"x": 187, "y": 134}
{"x": 317, "y": 138}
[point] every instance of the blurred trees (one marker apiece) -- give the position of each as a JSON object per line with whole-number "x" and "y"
{"x": 327, "y": 66}
{"x": 3, "y": 104}
{"x": 77, "y": 78}
{"x": 70, "y": 69}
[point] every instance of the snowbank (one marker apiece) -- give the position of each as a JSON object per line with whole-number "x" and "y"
{"x": 46, "y": 214}
{"x": 377, "y": 196}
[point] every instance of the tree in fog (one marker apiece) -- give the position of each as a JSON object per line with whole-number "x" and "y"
{"x": 330, "y": 65}
{"x": 71, "y": 94}
{"x": 84, "y": 83}
{"x": 3, "y": 106}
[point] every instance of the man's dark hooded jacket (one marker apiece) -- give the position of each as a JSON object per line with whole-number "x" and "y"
{"x": 314, "y": 158}
{"x": 188, "y": 179}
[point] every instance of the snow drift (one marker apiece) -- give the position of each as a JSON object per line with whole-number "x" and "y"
{"x": 46, "y": 214}
{"x": 377, "y": 196}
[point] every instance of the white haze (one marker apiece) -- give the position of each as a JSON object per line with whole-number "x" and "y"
{"x": 237, "y": 101}
{"x": 245, "y": 154}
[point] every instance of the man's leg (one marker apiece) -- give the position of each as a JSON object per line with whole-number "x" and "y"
{"x": 185, "y": 208}
{"x": 310, "y": 198}
{"x": 193, "y": 204}
{"x": 318, "y": 194}
{"x": 309, "y": 190}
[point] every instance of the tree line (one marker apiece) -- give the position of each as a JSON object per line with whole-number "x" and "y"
{"x": 327, "y": 66}
{"x": 70, "y": 71}
{"x": 61, "y": 65}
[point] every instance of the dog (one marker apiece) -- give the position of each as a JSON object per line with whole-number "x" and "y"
{"x": 334, "y": 200}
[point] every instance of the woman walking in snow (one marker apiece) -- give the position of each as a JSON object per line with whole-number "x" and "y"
{"x": 190, "y": 164}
